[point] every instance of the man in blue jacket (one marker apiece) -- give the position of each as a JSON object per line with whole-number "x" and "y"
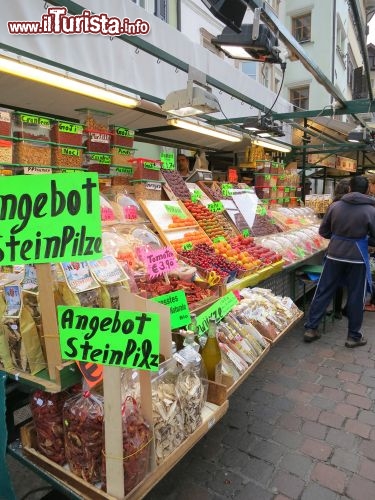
{"x": 348, "y": 224}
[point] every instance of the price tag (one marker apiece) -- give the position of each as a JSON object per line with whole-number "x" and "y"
{"x": 167, "y": 161}
{"x": 150, "y": 165}
{"x": 218, "y": 239}
{"x": 217, "y": 311}
{"x": 287, "y": 200}
{"x": 282, "y": 177}
{"x": 130, "y": 212}
{"x": 280, "y": 201}
{"x": 124, "y": 151}
{"x": 102, "y": 159}
{"x": 70, "y": 128}
{"x": 124, "y": 132}
{"x": 260, "y": 210}
{"x": 179, "y": 308}
{"x": 70, "y": 151}
{"x": 267, "y": 177}
{"x": 106, "y": 214}
{"x": 160, "y": 261}
{"x": 216, "y": 206}
{"x": 300, "y": 252}
{"x": 173, "y": 210}
{"x": 225, "y": 189}
{"x": 232, "y": 175}
{"x": 196, "y": 196}
{"x": 245, "y": 233}
{"x": 187, "y": 246}
{"x": 286, "y": 190}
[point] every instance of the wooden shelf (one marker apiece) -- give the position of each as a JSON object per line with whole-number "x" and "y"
{"x": 287, "y": 329}
{"x": 79, "y": 488}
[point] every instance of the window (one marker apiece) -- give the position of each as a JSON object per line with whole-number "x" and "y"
{"x": 206, "y": 38}
{"x": 141, "y": 3}
{"x": 340, "y": 38}
{"x": 301, "y": 28}
{"x": 350, "y": 65}
{"x": 299, "y": 97}
{"x": 276, "y": 85}
{"x": 250, "y": 68}
{"x": 265, "y": 78}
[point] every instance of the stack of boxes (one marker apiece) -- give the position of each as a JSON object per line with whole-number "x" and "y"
{"x": 276, "y": 185}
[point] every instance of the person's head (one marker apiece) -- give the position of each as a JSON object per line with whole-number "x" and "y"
{"x": 182, "y": 164}
{"x": 371, "y": 184}
{"x": 341, "y": 188}
{"x": 359, "y": 184}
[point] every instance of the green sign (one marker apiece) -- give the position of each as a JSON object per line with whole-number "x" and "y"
{"x": 124, "y": 170}
{"x": 35, "y": 120}
{"x": 124, "y": 151}
{"x": 246, "y": 233}
{"x": 100, "y": 158}
{"x": 70, "y": 128}
{"x": 167, "y": 160}
{"x": 260, "y": 210}
{"x": 124, "y": 132}
{"x": 217, "y": 239}
{"x": 196, "y": 195}
{"x": 50, "y": 218}
{"x": 225, "y": 189}
{"x": 216, "y": 206}
{"x": 70, "y": 151}
{"x": 267, "y": 177}
{"x": 217, "y": 311}
{"x": 187, "y": 246}
{"x": 172, "y": 210}
{"x": 286, "y": 190}
{"x": 176, "y": 301}
{"x": 287, "y": 200}
{"x": 128, "y": 339}
{"x": 150, "y": 165}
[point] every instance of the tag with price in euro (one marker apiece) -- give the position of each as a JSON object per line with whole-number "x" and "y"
{"x": 159, "y": 262}
{"x": 216, "y": 206}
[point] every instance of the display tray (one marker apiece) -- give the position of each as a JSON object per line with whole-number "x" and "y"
{"x": 232, "y": 386}
{"x": 74, "y": 485}
{"x": 286, "y": 330}
{"x": 67, "y": 375}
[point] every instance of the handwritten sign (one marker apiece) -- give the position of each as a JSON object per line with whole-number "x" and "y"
{"x": 35, "y": 120}
{"x": 167, "y": 161}
{"x": 216, "y": 206}
{"x": 217, "y": 311}
{"x": 173, "y": 210}
{"x": 218, "y": 239}
{"x": 225, "y": 188}
{"x": 70, "y": 128}
{"x": 32, "y": 170}
{"x": 260, "y": 210}
{"x": 128, "y": 339}
{"x": 246, "y": 233}
{"x": 187, "y": 246}
{"x": 196, "y": 195}
{"x": 130, "y": 212}
{"x": 159, "y": 261}
{"x": 179, "y": 308}
{"x": 232, "y": 175}
{"x": 124, "y": 132}
{"x": 68, "y": 151}
{"x": 50, "y": 218}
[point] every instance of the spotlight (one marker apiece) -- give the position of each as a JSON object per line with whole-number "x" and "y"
{"x": 263, "y": 127}
{"x": 230, "y": 12}
{"x": 243, "y": 46}
{"x": 359, "y": 134}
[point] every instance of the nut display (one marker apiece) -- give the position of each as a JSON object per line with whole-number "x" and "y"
{"x": 32, "y": 154}
{"x": 65, "y": 156}
{"x": 6, "y": 151}
{"x": 147, "y": 190}
{"x": 5, "y": 123}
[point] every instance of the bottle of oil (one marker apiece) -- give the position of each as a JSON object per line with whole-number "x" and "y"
{"x": 211, "y": 354}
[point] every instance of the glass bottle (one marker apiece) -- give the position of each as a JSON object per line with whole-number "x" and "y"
{"x": 211, "y": 354}
{"x": 190, "y": 340}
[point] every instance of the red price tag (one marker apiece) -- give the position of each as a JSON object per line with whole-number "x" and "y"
{"x": 130, "y": 212}
{"x": 106, "y": 214}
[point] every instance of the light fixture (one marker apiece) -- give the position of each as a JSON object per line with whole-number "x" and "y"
{"x": 206, "y": 129}
{"x": 69, "y": 83}
{"x": 230, "y": 12}
{"x": 263, "y": 127}
{"x": 196, "y": 99}
{"x": 254, "y": 43}
{"x": 276, "y": 146}
{"x": 360, "y": 134}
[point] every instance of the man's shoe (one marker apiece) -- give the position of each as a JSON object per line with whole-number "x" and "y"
{"x": 355, "y": 343}
{"x": 311, "y": 335}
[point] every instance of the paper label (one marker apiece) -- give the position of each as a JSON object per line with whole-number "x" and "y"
{"x": 174, "y": 210}
{"x": 35, "y": 120}
{"x": 187, "y": 246}
{"x": 159, "y": 262}
{"x": 13, "y": 299}
{"x": 107, "y": 270}
{"x": 128, "y": 339}
{"x": 216, "y": 206}
{"x": 196, "y": 196}
{"x": 30, "y": 282}
{"x": 70, "y": 128}
{"x": 218, "y": 239}
{"x": 154, "y": 186}
{"x": 124, "y": 132}
{"x": 167, "y": 161}
{"x": 78, "y": 276}
{"x": 70, "y": 151}
{"x": 36, "y": 170}
{"x": 179, "y": 308}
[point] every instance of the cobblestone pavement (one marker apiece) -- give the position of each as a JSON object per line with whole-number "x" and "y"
{"x": 302, "y": 426}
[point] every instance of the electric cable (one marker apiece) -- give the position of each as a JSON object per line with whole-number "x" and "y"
{"x": 283, "y": 67}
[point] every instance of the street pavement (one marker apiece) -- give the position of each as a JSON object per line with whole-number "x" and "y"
{"x": 302, "y": 426}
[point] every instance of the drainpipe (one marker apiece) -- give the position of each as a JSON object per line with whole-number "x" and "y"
{"x": 178, "y": 7}
{"x": 333, "y": 54}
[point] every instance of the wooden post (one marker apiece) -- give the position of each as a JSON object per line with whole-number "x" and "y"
{"x": 49, "y": 318}
{"x": 113, "y": 432}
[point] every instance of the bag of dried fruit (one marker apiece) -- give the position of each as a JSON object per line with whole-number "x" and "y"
{"x": 137, "y": 439}
{"x": 47, "y": 412}
{"x": 83, "y": 416}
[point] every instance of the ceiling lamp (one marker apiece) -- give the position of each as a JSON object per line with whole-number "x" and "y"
{"x": 263, "y": 127}
{"x": 230, "y": 12}
{"x": 254, "y": 43}
{"x": 276, "y": 146}
{"x": 206, "y": 129}
{"x": 359, "y": 134}
{"x": 196, "y": 99}
{"x": 69, "y": 83}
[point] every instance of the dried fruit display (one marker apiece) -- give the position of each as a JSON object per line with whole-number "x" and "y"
{"x": 136, "y": 438}
{"x": 176, "y": 183}
{"x": 213, "y": 224}
{"x": 47, "y": 412}
{"x": 83, "y": 433}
